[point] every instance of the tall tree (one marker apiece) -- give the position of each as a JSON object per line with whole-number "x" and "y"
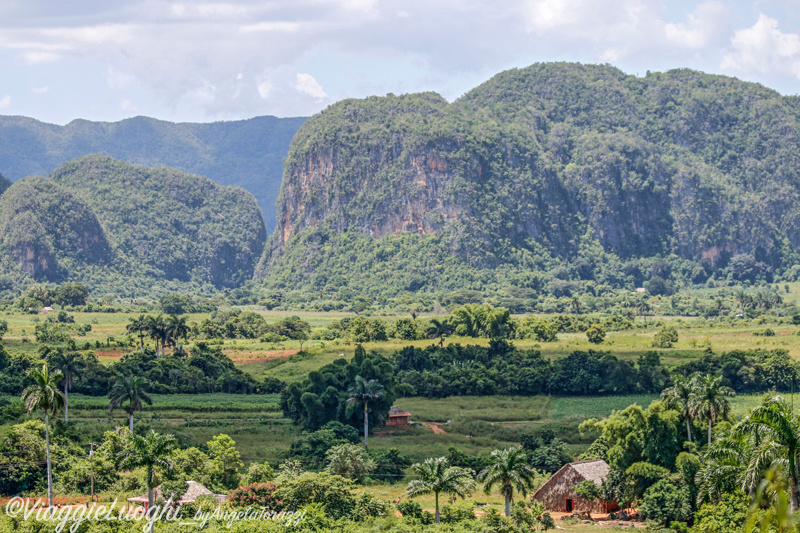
{"x": 710, "y": 399}
{"x": 439, "y": 329}
{"x": 133, "y": 391}
{"x": 437, "y": 476}
{"x": 510, "y": 470}
{"x": 680, "y": 396}
{"x": 363, "y": 392}
{"x": 157, "y": 329}
{"x": 140, "y": 327}
{"x": 70, "y": 364}
{"x": 43, "y": 395}
{"x": 177, "y": 329}
{"x": 777, "y": 429}
{"x": 151, "y": 451}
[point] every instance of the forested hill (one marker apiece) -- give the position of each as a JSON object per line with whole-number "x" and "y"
{"x": 128, "y": 229}
{"x": 575, "y": 171}
{"x": 245, "y": 153}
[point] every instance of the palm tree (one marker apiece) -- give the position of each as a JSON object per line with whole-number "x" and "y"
{"x": 177, "y": 329}
{"x": 364, "y": 391}
{"x": 43, "y": 395}
{"x": 439, "y": 329}
{"x": 151, "y": 452}
{"x": 710, "y": 400}
{"x": 138, "y": 326}
{"x": 576, "y": 305}
{"x": 680, "y": 395}
{"x": 509, "y": 470}
{"x": 70, "y": 364}
{"x": 777, "y": 429}
{"x": 436, "y": 476}
{"x": 157, "y": 329}
{"x": 472, "y": 317}
{"x": 131, "y": 390}
{"x": 643, "y": 308}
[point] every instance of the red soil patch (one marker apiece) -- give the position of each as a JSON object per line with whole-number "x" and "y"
{"x": 434, "y": 427}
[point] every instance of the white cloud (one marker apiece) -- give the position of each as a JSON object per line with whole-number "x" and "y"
{"x": 264, "y": 89}
{"x": 32, "y": 58}
{"x": 700, "y": 28}
{"x": 40, "y": 90}
{"x": 548, "y": 14}
{"x": 270, "y": 27}
{"x": 308, "y": 85}
{"x": 763, "y": 48}
{"x": 5, "y": 101}
{"x": 119, "y": 80}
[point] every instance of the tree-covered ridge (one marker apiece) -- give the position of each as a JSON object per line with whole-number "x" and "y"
{"x": 246, "y": 153}
{"x": 5, "y": 183}
{"x": 122, "y": 226}
{"x": 42, "y": 225}
{"x": 539, "y": 160}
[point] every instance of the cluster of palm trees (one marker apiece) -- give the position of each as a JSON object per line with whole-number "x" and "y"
{"x": 764, "y": 445}
{"x": 700, "y": 397}
{"x": 509, "y": 470}
{"x": 765, "y": 300}
{"x": 164, "y": 331}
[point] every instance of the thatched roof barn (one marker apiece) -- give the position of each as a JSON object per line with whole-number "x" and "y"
{"x": 193, "y": 491}
{"x": 558, "y": 494}
{"x": 398, "y": 417}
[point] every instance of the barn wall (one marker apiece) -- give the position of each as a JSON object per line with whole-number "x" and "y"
{"x": 560, "y": 487}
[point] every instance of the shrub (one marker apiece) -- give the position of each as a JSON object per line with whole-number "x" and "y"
{"x": 257, "y": 494}
{"x": 596, "y": 334}
{"x": 666, "y": 338}
{"x": 665, "y": 502}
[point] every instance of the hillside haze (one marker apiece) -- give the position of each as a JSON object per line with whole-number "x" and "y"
{"x": 245, "y": 153}
{"x": 572, "y": 170}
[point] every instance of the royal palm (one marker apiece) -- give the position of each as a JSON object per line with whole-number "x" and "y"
{"x": 710, "y": 400}
{"x": 151, "y": 451}
{"x": 70, "y": 364}
{"x": 437, "y": 476}
{"x": 43, "y": 395}
{"x": 365, "y": 391}
{"x": 511, "y": 472}
{"x": 131, "y": 391}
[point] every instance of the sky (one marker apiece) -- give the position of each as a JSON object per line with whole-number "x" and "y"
{"x": 205, "y": 61}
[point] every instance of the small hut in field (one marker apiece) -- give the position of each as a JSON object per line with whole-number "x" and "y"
{"x": 398, "y": 417}
{"x": 558, "y": 494}
{"x": 193, "y": 491}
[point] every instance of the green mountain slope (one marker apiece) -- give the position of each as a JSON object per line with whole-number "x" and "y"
{"x": 581, "y": 173}
{"x": 131, "y": 229}
{"x": 245, "y": 153}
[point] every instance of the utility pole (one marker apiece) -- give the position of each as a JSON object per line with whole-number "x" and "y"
{"x": 91, "y": 465}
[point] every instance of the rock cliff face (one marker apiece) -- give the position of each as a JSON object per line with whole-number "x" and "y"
{"x": 680, "y": 162}
{"x": 40, "y": 222}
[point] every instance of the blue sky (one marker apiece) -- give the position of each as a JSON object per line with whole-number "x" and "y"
{"x": 192, "y": 60}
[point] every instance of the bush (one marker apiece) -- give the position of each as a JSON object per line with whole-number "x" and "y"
{"x": 596, "y": 334}
{"x": 259, "y": 473}
{"x": 666, "y": 338}
{"x": 257, "y": 494}
{"x": 664, "y": 502}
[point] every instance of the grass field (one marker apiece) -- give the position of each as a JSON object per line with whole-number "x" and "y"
{"x": 279, "y": 360}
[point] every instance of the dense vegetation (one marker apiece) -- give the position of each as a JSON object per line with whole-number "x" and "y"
{"x": 244, "y": 153}
{"x": 130, "y": 229}
{"x": 544, "y": 180}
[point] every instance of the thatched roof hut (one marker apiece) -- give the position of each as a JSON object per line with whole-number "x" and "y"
{"x": 398, "y": 417}
{"x": 559, "y": 495}
{"x": 193, "y": 491}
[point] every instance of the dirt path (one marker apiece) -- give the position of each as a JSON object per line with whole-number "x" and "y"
{"x": 434, "y": 427}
